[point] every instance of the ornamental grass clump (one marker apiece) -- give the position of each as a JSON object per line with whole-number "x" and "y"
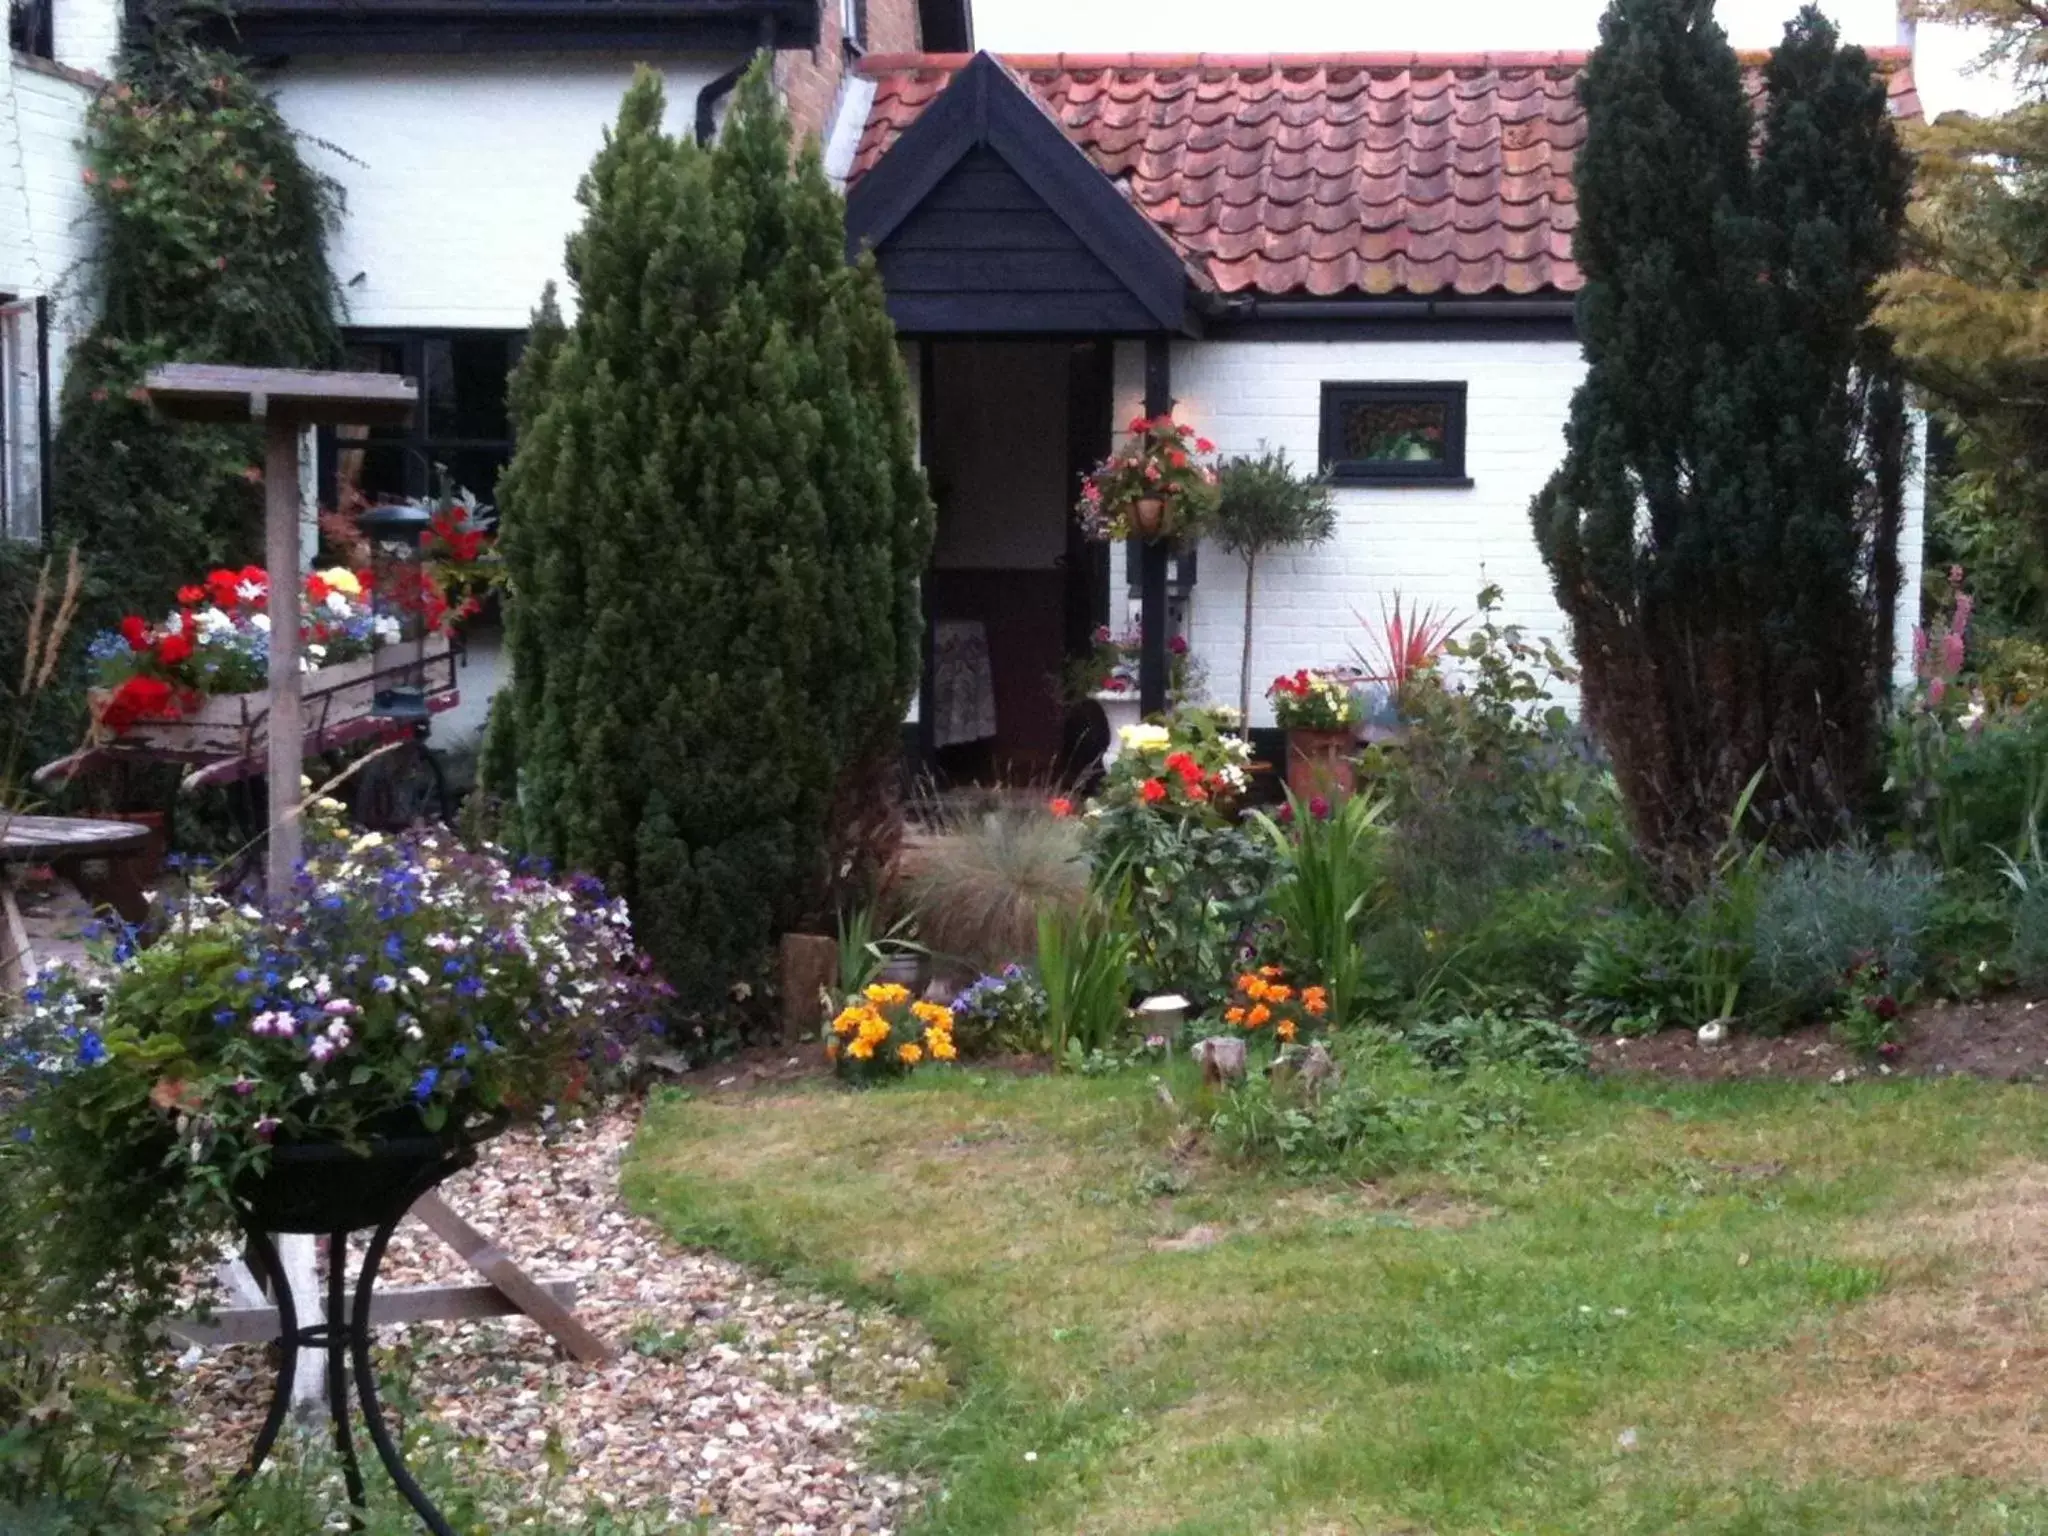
{"x": 977, "y": 889}
{"x": 411, "y": 986}
{"x": 885, "y": 1032}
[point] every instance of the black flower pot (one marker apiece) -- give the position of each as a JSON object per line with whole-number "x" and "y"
{"x": 326, "y": 1186}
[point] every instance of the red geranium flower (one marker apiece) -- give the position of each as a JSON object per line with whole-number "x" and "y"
{"x": 1203, "y": 445}
{"x": 220, "y": 585}
{"x": 135, "y": 632}
{"x": 173, "y": 649}
{"x": 1061, "y": 807}
{"x": 316, "y": 589}
{"x": 139, "y": 698}
{"x": 1152, "y": 791}
{"x": 189, "y": 597}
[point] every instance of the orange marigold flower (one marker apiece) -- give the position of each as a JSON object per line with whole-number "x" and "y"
{"x": 909, "y": 1055}
{"x": 1271, "y": 972}
{"x": 1315, "y": 1000}
{"x": 1233, "y": 1015}
{"x": 1061, "y": 807}
{"x": 1258, "y": 1016}
{"x": 1278, "y": 994}
{"x": 1284, "y": 1029}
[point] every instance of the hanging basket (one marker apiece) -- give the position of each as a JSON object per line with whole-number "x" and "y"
{"x": 1148, "y": 516}
{"x": 321, "y": 1186}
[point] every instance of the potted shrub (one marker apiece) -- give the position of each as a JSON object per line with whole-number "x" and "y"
{"x": 1320, "y": 712}
{"x": 1155, "y": 487}
{"x": 309, "y": 1070}
{"x": 1263, "y": 504}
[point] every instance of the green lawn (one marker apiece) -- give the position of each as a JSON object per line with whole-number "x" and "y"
{"x": 1766, "y": 1308}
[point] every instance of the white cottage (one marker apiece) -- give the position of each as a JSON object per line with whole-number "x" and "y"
{"x": 1322, "y": 254}
{"x": 1364, "y": 260}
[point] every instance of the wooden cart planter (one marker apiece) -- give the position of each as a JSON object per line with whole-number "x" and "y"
{"x": 236, "y": 725}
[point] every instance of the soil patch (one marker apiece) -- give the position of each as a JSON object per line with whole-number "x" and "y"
{"x": 2002, "y": 1038}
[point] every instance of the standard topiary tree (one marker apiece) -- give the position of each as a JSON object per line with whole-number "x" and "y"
{"x": 714, "y": 527}
{"x": 1263, "y": 504}
{"x": 1722, "y": 534}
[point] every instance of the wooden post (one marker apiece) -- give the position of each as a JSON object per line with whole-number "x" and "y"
{"x": 287, "y": 747}
{"x": 1153, "y": 552}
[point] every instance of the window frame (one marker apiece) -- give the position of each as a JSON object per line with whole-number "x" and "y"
{"x": 420, "y": 446}
{"x": 32, "y": 28}
{"x": 1447, "y": 472}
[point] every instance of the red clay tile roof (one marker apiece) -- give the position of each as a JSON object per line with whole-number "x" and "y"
{"x": 1348, "y": 174}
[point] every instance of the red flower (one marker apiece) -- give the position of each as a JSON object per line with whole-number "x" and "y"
{"x": 173, "y": 649}
{"x": 1203, "y": 445}
{"x": 135, "y": 632}
{"x": 1189, "y": 770}
{"x": 1138, "y": 424}
{"x": 1152, "y": 791}
{"x": 1061, "y": 807}
{"x": 191, "y": 597}
{"x": 1176, "y": 458}
{"x": 1178, "y": 645}
{"x": 220, "y": 585}
{"x": 316, "y": 589}
{"x": 139, "y": 698}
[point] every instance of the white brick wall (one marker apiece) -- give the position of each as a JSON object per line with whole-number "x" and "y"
{"x": 1433, "y": 546}
{"x": 461, "y": 173}
{"x": 88, "y": 34}
{"x": 46, "y": 240}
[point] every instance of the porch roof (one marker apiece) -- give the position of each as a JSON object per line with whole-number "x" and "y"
{"x": 1348, "y": 174}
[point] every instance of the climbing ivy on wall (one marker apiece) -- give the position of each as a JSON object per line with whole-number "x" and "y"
{"x": 210, "y": 248}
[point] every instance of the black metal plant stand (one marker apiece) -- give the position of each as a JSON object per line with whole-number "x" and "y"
{"x": 327, "y": 1188}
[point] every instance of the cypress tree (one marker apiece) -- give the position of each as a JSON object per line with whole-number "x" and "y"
{"x": 1717, "y": 532}
{"x": 714, "y": 526}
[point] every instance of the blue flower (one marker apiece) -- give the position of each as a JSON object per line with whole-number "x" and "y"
{"x": 24, "y": 1133}
{"x": 451, "y": 967}
{"x": 457, "y": 1052}
{"x": 224, "y": 1017}
{"x": 91, "y": 1049}
{"x": 244, "y": 976}
{"x": 424, "y": 1088}
{"x": 383, "y": 983}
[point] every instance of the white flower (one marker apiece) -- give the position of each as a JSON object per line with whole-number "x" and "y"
{"x": 211, "y": 622}
{"x": 417, "y": 976}
{"x": 337, "y": 605}
{"x": 386, "y": 629}
{"x": 250, "y": 592}
{"x": 366, "y": 842}
{"x": 260, "y": 621}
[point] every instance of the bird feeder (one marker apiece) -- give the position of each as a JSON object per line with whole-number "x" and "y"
{"x": 403, "y": 603}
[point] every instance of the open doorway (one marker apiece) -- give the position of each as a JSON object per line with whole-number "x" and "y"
{"x": 1015, "y": 592}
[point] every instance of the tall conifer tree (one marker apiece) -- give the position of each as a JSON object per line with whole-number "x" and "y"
{"x": 1722, "y": 534}
{"x": 714, "y": 527}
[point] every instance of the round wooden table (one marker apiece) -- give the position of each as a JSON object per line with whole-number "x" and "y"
{"x": 89, "y": 854}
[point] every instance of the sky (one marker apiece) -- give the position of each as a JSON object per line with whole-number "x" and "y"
{"x": 1376, "y": 26}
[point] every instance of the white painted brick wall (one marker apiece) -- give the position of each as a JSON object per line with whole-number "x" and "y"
{"x": 46, "y": 234}
{"x": 1433, "y": 546}
{"x": 461, "y": 173}
{"x": 87, "y": 34}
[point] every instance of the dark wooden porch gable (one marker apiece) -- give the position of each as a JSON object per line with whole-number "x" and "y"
{"x": 986, "y": 219}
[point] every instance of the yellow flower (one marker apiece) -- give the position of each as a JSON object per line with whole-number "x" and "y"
{"x": 342, "y": 579}
{"x": 909, "y": 1054}
{"x": 887, "y": 992}
{"x": 861, "y": 1050}
{"x": 1141, "y": 738}
{"x": 848, "y": 1021}
{"x": 941, "y": 1047}
{"x": 932, "y": 1015}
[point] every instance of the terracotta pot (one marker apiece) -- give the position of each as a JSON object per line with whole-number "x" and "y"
{"x": 1148, "y": 516}
{"x": 1319, "y": 763}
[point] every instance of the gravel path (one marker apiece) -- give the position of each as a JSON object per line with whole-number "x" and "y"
{"x": 733, "y": 1403}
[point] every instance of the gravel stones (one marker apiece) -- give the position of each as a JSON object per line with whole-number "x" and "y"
{"x": 732, "y": 1401}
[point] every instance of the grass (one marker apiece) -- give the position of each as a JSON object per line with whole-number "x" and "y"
{"x": 1656, "y": 1309}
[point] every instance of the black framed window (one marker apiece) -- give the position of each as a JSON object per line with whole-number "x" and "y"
{"x": 31, "y": 28}
{"x": 1394, "y": 434}
{"x": 462, "y": 426}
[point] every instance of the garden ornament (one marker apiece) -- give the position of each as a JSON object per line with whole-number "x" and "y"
{"x": 1222, "y": 1059}
{"x": 1714, "y": 1032}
